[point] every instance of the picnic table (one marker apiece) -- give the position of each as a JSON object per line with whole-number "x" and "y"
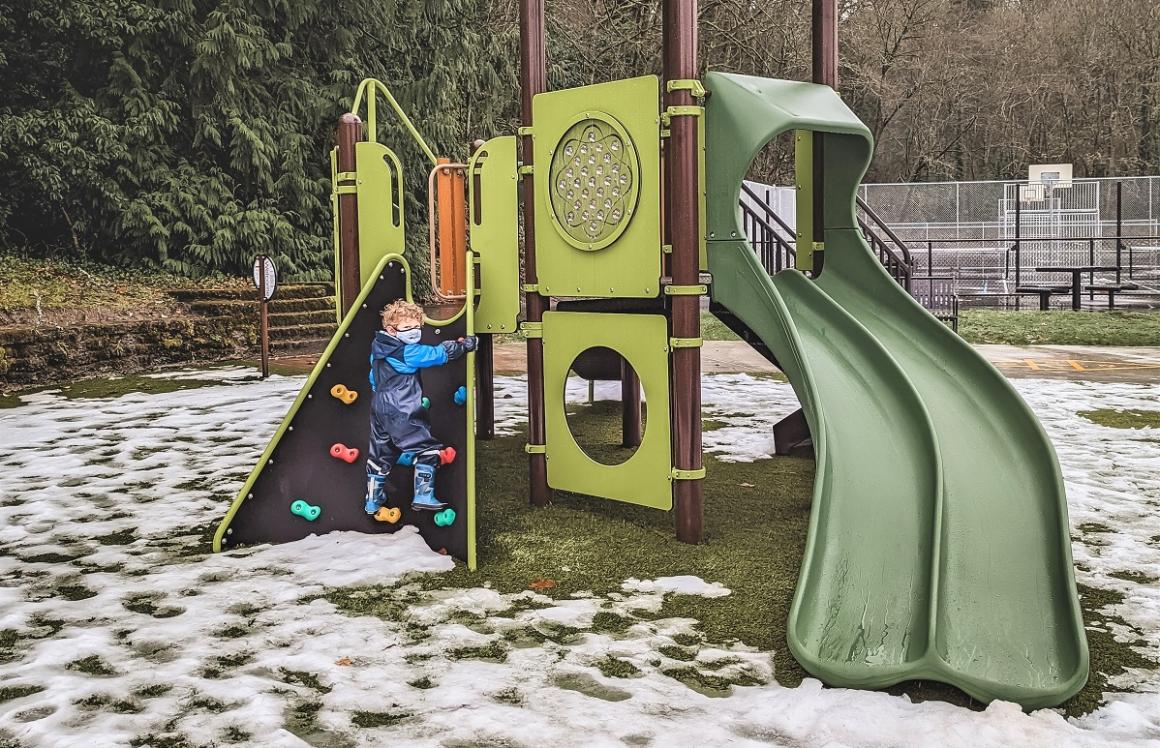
{"x": 1076, "y": 271}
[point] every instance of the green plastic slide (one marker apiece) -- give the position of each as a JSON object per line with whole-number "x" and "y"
{"x": 938, "y": 544}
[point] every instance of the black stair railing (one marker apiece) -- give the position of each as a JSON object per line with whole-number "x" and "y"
{"x": 892, "y": 252}
{"x": 775, "y": 242}
{"x": 771, "y": 237}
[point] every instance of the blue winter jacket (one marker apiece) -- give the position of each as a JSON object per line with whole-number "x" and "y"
{"x": 394, "y": 379}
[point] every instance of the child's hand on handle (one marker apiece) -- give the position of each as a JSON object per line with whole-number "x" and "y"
{"x": 470, "y": 343}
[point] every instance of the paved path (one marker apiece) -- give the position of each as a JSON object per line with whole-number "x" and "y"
{"x": 1096, "y": 363}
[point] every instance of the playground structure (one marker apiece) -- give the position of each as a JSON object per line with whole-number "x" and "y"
{"x": 938, "y": 544}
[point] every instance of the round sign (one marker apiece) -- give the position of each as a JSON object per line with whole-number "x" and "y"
{"x": 264, "y": 269}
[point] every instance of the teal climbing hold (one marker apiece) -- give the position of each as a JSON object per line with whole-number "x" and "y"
{"x": 426, "y": 401}
{"x": 308, "y": 512}
{"x": 461, "y": 396}
{"x": 445, "y": 518}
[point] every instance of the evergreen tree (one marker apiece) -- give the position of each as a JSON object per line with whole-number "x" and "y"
{"x": 194, "y": 133}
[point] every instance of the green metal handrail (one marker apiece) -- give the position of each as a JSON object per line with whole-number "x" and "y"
{"x": 376, "y": 86}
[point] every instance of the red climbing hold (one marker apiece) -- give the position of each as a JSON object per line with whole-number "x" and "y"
{"x": 342, "y": 452}
{"x": 447, "y": 455}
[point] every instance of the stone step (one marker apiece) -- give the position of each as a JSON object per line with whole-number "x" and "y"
{"x": 242, "y": 309}
{"x": 306, "y": 347}
{"x": 289, "y": 319}
{"x": 295, "y": 291}
{"x": 303, "y": 332}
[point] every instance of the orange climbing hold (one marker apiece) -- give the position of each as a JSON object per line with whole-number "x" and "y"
{"x": 447, "y": 455}
{"x": 342, "y": 452}
{"x": 342, "y": 393}
{"x": 388, "y": 514}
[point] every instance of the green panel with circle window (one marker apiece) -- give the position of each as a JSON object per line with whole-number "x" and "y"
{"x": 642, "y": 339}
{"x": 598, "y": 201}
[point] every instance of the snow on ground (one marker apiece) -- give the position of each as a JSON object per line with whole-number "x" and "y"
{"x": 135, "y": 637}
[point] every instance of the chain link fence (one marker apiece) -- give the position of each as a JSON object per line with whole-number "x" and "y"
{"x": 988, "y": 238}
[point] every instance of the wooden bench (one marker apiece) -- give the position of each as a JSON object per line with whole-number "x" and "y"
{"x": 1111, "y": 289}
{"x": 1044, "y": 292}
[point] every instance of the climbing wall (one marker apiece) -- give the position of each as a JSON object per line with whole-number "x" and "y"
{"x": 306, "y": 461}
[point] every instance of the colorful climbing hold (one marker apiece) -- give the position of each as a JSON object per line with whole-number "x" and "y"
{"x": 407, "y": 459}
{"x": 388, "y": 514}
{"x": 308, "y": 512}
{"x": 342, "y": 393}
{"x": 460, "y": 395}
{"x": 445, "y": 518}
{"x": 447, "y": 455}
{"x": 426, "y": 402}
{"x": 342, "y": 452}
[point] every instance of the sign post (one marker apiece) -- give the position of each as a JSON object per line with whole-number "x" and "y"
{"x": 265, "y": 280}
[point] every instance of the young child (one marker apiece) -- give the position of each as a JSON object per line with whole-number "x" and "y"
{"x": 398, "y": 418}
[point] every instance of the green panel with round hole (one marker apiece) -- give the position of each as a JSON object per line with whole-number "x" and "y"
{"x": 380, "y": 210}
{"x": 597, "y": 177}
{"x": 494, "y": 225}
{"x": 644, "y": 478}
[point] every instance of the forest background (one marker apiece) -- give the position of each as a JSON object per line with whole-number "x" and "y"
{"x": 192, "y": 134}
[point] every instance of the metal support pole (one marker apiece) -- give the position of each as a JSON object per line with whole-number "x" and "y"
{"x": 485, "y": 388}
{"x": 680, "y": 34}
{"x": 630, "y": 421}
{"x": 825, "y": 71}
{"x": 350, "y": 275}
{"x": 533, "y": 80}
{"x": 1119, "y": 228}
{"x": 1018, "y": 247}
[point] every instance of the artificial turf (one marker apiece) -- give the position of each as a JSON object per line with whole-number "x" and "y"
{"x": 756, "y": 515}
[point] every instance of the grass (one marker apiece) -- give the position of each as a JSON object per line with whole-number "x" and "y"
{"x": 714, "y": 329}
{"x": 747, "y": 527}
{"x": 1124, "y": 419}
{"x": 72, "y": 290}
{"x": 1109, "y": 657}
{"x": 9, "y": 693}
{"x": 614, "y": 667}
{"x": 91, "y": 665}
{"x": 1060, "y": 328}
{"x": 379, "y": 719}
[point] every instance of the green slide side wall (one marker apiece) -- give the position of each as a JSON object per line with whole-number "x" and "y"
{"x": 970, "y": 582}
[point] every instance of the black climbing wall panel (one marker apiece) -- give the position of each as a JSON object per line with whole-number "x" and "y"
{"x": 301, "y": 467}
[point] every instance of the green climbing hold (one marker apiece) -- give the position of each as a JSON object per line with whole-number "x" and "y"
{"x": 445, "y": 518}
{"x": 308, "y": 512}
{"x": 426, "y": 402}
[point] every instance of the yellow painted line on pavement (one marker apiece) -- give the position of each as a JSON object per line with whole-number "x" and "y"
{"x": 1031, "y": 364}
{"x": 1075, "y": 364}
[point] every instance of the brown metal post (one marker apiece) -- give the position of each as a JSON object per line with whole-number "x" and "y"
{"x": 485, "y": 388}
{"x": 825, "y": 70}
{"x": 350, "y": 275}
{"x": 630, "y": 421}
{"x": 533, "y": 80}
{"x": 680, "y": 34}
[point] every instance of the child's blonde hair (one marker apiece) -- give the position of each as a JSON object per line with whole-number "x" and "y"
{"x": 401, "y": 310}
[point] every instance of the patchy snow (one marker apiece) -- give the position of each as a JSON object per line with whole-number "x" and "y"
{"x": 109, "y": 604}
{"x": 680, "y": 585}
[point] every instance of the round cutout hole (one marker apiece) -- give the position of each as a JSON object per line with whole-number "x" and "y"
{"x": 599, "y": 383}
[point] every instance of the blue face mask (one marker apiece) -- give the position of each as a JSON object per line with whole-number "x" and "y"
{"x": 409, "y": 336}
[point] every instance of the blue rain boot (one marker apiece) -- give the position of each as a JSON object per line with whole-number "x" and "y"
{"x": 376, "y": 493}
{"x": 424, "y": 498}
